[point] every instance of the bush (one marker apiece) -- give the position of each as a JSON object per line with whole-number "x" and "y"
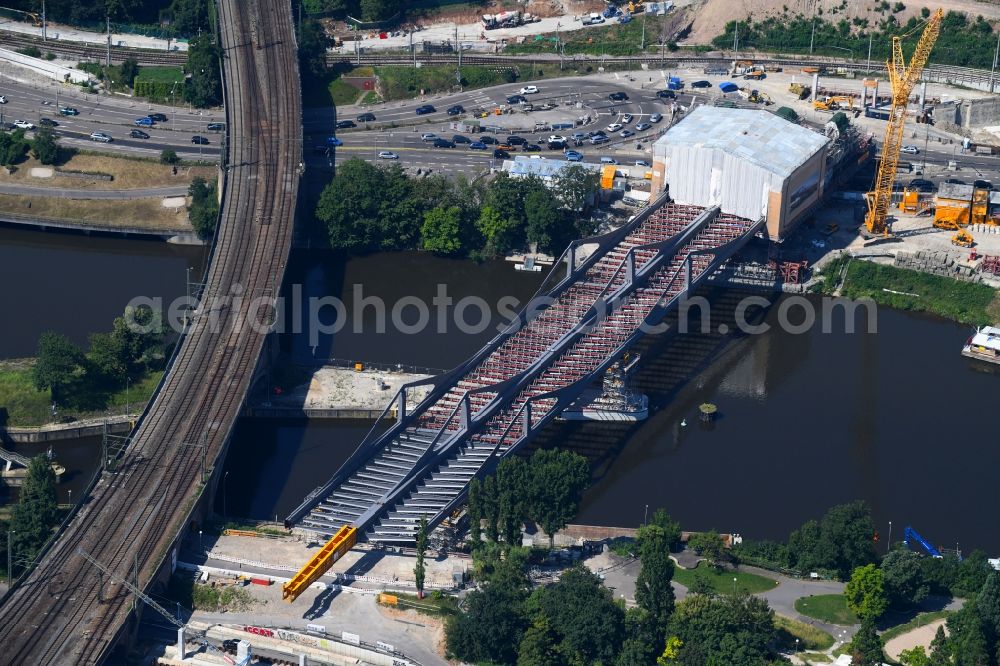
{"x": 169, "y": 157}
{"x": 30, "y": 51}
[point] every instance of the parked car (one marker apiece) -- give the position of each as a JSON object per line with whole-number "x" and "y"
{"x": 24, "y": 124}
{"x": 500, "y": 154}
{"x": 578, "y": 136}
{"x": 425, "y": 109}
{"x": 333, "y": 141}
{"x": 618, "y": 96}
{"x": 608, "y": 160}
{"x": 345, "y": 124}
{"x": 642, "y": 127}
{"x": 556, "y": 145}
{"x": 443, "y": 143}
{"x": 3, "y": 100}
{"x": 68, "y": 111}
{"x": 626, "y": 134}
{"x": 982, "y": 184}
{"x": 47, "y": 122}
{"x": 529, "y": 90}
{"x": 573, "y": 156}
{"x": 387, "y": 155}
{"x": 910, "y": 150}
{"x": 145, "y": 121}
{"x": 516, "y": 99}
{"x": 614, "y": 127}
{"x": 655, "y": 117}
{"x": 531, "y": 148}
{"x": 158, "y": 117}
{"x": 366, "y": 117}
{"x": 504, "y": 146}
{"x": 455, "y": 110}
{"x": 199, "y": 140}
{"x": 138, "y": 134}
{"x": 701, "y": 84}
{"x": 100, "y": 136}
{"x": 955, "y": 181}
{"x": 598, "y": 139}
{"x": 626, "y": 118}
{"x": 557, "y": 137}
{"x": 477, "y": 145}
{"x": 428, "y": 136}
{"x": 666, "y": 94}
{"x": 488, "y": 140}
{"x": 458, "y": 138}
{"x": 217, "y": 127}
{"x": 515, "y": 140}
{"x": 643, "y": 163}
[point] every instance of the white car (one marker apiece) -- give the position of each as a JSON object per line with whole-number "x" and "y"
{"x": 655, "y": 118}
{"x": 3, "y": 100}
{"x": 100, "y": 136}
{"x": 626, "y": 118}
{"x": 912, "y": 150}
{"x": 529, "y": 90}
{"x": 555, "y": 138}
{"x": 614, "y": 127}
{"x": 387, "y": 155}
{"x": 24, "y": 124}
{"x": 428, "y": 136}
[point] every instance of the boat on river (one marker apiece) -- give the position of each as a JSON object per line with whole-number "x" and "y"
{"x": 984, "y": 345}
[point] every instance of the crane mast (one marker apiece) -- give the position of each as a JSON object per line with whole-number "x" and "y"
{"x": 901, "y": 81}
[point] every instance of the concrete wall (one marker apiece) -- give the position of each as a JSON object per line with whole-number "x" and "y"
{"x": 978, "y": 112}
{"x": 44, "y": 67}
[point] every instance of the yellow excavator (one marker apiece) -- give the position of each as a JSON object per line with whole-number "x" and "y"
{"x": 901, "y": 80}
{"x": 834, "y": 103}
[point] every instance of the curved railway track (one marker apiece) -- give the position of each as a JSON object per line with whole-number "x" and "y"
{"x": 59, "y": 614}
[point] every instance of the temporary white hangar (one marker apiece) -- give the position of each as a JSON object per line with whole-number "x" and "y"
{"x": 749, "y": 162}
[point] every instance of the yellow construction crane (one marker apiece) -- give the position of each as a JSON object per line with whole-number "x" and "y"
{"x": 901, "y": 80}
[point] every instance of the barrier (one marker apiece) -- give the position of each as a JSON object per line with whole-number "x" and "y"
{"x": 46, "y": 68}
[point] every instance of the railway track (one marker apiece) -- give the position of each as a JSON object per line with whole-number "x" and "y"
{"x": 61, "y": 613}
{"x": 85, "y": 52}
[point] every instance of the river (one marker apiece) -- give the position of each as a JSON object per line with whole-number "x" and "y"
{"x": 805, "y": 421}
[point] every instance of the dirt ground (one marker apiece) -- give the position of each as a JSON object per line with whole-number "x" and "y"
{"x": 128, "y": 174}
{"x": 919, "y": 636}
{"x": 138, "y": 213}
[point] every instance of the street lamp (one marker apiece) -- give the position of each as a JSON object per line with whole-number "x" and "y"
{"x": 734, "y": 586}
{"x": 128, "y": 383}
{"x": 888, "y": 542}
{"x": 200, "y": 547}
{"x": 10, "y": 570}
{"x": 645, "y": 513}
{"x": 224, "y": 512}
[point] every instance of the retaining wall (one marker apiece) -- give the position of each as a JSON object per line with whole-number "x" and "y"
{"x": 938, "y": 263}
{"x": 51, "y": 433}
{"x": 45, "y": 67}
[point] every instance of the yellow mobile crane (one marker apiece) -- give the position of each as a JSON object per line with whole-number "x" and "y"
{"x": 901, "y": 80}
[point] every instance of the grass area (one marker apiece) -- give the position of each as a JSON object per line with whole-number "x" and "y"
{"x": 25, "y": 406}
{"x": 434, "y": 603}
{"x": 815, "y": 658}
{"x": 830, "y": 608}
{"x": 919, "y": 621}
{"x": 810, "y": 638}
{"x": 963, "y": 302}
{"x": 610, "y": 39}
{"x": 372, "y": 97}
{"x": 722, "y": 581}
{"x": 137, "y": 213}
{"x": 623, "y": 546}
{"x": 126, "y": 173}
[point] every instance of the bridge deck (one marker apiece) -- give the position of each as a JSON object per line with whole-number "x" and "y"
{"x": 488, "y": 407}
{"x": 58, "y": 614}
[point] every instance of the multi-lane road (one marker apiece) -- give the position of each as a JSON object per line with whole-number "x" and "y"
{"x": 398, "y": 128}
{"x": 114, "y": 116}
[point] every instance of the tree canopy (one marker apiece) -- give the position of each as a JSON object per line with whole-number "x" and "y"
{"x": 865, "y": 592}
{"x": 204, "y": 87}
{"x": 36, "y": 512}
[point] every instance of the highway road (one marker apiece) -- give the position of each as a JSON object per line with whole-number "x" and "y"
{"x": 398, "y": 128}
{"x": 114, "y": 115}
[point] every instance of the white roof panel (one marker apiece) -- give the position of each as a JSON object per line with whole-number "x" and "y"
{"x": 757, "y": 136}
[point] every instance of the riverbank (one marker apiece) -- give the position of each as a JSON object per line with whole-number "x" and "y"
{"x": 905, "y": 289}
{"x": 24, "y": 406}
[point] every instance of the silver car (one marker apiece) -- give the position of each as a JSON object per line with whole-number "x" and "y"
{"x": 100, "y": 136}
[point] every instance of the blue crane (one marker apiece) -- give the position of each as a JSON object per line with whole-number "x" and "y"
{"x": 910, "y": 532}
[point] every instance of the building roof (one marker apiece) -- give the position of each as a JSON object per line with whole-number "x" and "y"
{"x": 757, "y": 136}
{"x": 542, "y": 167}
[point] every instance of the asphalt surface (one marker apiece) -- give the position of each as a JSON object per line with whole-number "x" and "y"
{"x": 115, "y": 116}
{"x": 397, "y": 127}
{"x": 62, "y": 193}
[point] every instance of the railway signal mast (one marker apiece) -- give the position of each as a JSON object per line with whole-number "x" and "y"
{"x": 901, "y": 79}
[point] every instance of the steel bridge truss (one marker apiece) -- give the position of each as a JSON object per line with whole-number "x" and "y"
{"x": 491, "y": 405}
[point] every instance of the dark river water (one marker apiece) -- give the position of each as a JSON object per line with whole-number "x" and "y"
{"x": 76, "y": 285}
{"x": 806, "y": 420}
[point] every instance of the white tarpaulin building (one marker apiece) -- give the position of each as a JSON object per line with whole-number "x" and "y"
{"x": 749, "y": 162}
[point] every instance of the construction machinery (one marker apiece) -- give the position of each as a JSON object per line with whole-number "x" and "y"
{"x": 320, "y": 563}
{"x": 910, "y": 533}
{"x": 953, "y": 210}
{"x": 963, "y": 239}
{"x": 901, "y": 81}
{"x": 834, "y": 103}
{"x": 800, "y": 90}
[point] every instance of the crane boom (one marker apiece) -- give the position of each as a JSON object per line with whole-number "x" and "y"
{"x": 901, "y": 80}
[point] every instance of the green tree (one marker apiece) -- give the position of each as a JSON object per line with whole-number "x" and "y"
{"x": 36, "y": 512}
{"x": 642, "y": 637}
{"x": 988, "y": 607}
{"x": 671, "y": 528}
{"x": 915, "y": 656}
{"x": 653, "y": 591}
{"x": 379, "y": 10}
{"x": 583, "y": 614}
{"x": 905, "y": 585}
{"x": 442, "y": 230}
{"x": 13, "y": 146}
{"x": 940, "y": 648}
{"x": 492, "y": 623}
{"x": 968, "y": 641}
{"x": 866, "y": 648}
{"x": 45, "y": 146}
{"x": 499, "y": 232}
{"x": 558, "y": 481}
{"x": 204, "y": 87}
{"x": 671, "y": 652}
{"x": 313, "y": 43}
{"x": 418, "y": 569}
{"x": 701, "y": 584}
{"x": 709, "y": 545}
{"x": 129, "y": 70}
{"x": 730, "y": 629}
{"x": 59, "y": 364}
{"x": 542, "y": 219}
{"x": 513, "y": 478}
{"x": 865, "y": 592}
{"x": 538, "y": 647}
{"x": 491, "y": 508}
{"x": 189, "y": 16}
{"x": 475, "y": 512}
{"x": 574, "y": 185}
{"x": 204, "y": 209}
{"x": 108, "y": 357}
{"x": 841, "y": 542}
{"x": 168, "y": 156}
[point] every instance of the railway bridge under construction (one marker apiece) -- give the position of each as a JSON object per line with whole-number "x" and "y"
{"x": 74, "y": 604}
{"x": 602, "y": 295}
